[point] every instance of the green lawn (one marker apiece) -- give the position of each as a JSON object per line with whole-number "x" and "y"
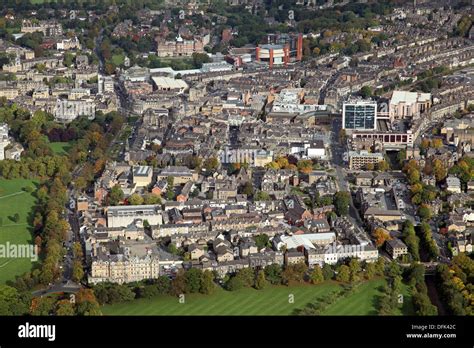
{"x": 364, "y": 301}
{"x": 13, "y": 199}
{"x": 60, "y": 148}
{"x": 118, "y": 59}
{"x": 270, "y": 301}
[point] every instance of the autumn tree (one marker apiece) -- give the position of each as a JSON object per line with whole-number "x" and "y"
{"x": 381, "y": 236}
{"x": 316, "y": 275}
{"x": 135, "y": 199}
{"x": 260, "y": 281}
{"x": 343, "y": 274}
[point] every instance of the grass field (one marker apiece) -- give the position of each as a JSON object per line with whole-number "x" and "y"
{"x": 60, "y": 148}
{"x": 364, "y": 301}
{"x": 13, "y": 199}
{"x": 270, "y": 301}
{"x": 118, "y": 59}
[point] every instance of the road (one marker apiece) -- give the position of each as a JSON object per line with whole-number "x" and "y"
{"x": 337, "y": 163}
{"x": 98, "y": 42}
{"x": 66, "y": 287}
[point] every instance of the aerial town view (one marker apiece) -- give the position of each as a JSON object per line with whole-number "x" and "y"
{"x": 236, "y": 158}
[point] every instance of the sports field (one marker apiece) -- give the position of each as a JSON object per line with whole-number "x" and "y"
{"x": 273, "y": 300}
{"x": 15, "y": 200}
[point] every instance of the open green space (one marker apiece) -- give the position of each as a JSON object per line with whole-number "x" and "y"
{"x": 15, "y": 200}
{"x": 118, "y": 59}
{"x": 273, "y": 300}
{"x": 364, "y": 301}
{"x": 60, "y": 148}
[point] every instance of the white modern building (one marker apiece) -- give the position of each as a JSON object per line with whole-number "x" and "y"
{"x": 290, "y": 100}
{"x": 359, "y": 115}
{"x": 122, "y": 216}
{"x": 408, "y": 104}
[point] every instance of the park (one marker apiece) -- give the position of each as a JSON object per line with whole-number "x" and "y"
{"x": 16, "y": 210}
{"x": 273, "y": 300}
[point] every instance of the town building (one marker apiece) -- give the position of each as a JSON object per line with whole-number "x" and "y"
{"x": 359, "y": 115}
{"x": 122, "y": 216}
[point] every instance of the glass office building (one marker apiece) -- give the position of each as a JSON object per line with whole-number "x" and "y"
{"x": 359, "y": 115}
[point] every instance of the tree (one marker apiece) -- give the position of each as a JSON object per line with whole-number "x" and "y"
{"x": 65, "y": 308}
{"x": 317, "y": 275}
{"x": 199, "y": 59}
{"x": 439, "y": 170}
{"x": 380, "y": 266}
{"x": 116, "y": 195}
{"x": 261, "y": 240}
{"x": 341, "y": 203}
{"x": 42, "y": 306}
{"x": 234, "y": 283}
{"x": 110, "y": 68}
{"x": 381, "y": 236}
{"x": 247, "y": 276}
{"x": 436, "y": 143}
{"x": 328, "y": 272}
{"x": 343, "y": 274}
{"x": 411, "y": 240}
{"x": 135, "y": 199}
{"x": 294, "y": 273}
{"x": 211, "y": 164}
{"x": 248, "y": 189}
{"x": 193, "y": 280}
{"x": 393, "y": 270}
{"x": 178, "y": 284}
{"x": 366, "y": 92}
{"x": 370, "y": 270}
{"x": 383, "y": 166}
{"x": 207, "y": 283}
{"x": 305, "y": 166}
{"x": 150, "y": 198}
{"x": 424, "y": 212}
{"x": 163, "y": 284}
{"x": 260, "y": 281}
{"x": 354, "y": 269}
{"x": 147, "y": 291}
{"x": 273, "y": 273}
{"x": 172, "y": 249}
{"x": 16, "y": 218}
{"x": 77, "y": 271}
{"x": 261, "y": 196}
{"x": 422, "y": 304}
{"x": 12, "y": 302}
{"x": 88, "y": 308}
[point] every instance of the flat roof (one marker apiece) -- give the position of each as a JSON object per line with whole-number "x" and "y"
{"x": 168, "y": 82}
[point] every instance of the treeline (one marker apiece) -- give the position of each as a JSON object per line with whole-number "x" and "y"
{"x": 16, "y": 302}
{"x": 186, "y": 282}
{"x": 421, "y": 302}
{"x": 411, "y": 240}
{"x": 50, "y": 227}
{"x": 455, "y": 284}
{"x": 318, "y": 306}
{"x": 206, "y": 282}
{"x": 391, "y": 297}
{"x": 428, "y": 242}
